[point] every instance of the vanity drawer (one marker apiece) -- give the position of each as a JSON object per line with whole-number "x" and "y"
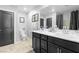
{"x": 35, "y": 34}
{"x": 44, "y": 37}
{"x": 52, "y": 39}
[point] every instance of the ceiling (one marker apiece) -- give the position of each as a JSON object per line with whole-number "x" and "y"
{"x": 58, "y": 9}
{"x": 45, "y": 10}
{"x": 22, "y": 8}
{"x": 27, "y": 8}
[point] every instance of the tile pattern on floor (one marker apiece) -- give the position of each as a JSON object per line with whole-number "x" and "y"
{"x": 19, "y": 47}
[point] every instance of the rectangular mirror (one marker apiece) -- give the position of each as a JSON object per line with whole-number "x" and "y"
{"x": 48, "y": 22}
{"x": 41, "y": 22}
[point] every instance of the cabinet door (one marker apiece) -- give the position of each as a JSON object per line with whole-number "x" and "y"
{"x": 63, "y": 50}
{"x": 36, "y": 44}
{"x": 52, "y": 48}
{"x": 44, "y": 44}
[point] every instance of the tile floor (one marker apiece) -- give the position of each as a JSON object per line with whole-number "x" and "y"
{"x": 19, "y": 47}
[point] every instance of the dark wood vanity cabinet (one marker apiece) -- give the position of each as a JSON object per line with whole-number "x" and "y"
{"x": 52, "y": 48}
{"x": 39, "y": 43}
{"x": 57, "y": 45}
{"x": 46, "y": 44}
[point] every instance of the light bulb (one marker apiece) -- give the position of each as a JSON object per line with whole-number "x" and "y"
{"x": 25, "y": 9}
{"x": 53, "y": 10}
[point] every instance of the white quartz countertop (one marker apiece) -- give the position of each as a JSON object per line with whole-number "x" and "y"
{"x": 66, "y": 36}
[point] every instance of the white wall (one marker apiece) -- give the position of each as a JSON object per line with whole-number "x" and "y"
{"x": 31, "y": 25}
{"x": 17, "y": 25}
{"x": 54, "y": 19}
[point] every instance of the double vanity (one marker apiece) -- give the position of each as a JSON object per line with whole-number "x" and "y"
{"x": 55, "y": 42}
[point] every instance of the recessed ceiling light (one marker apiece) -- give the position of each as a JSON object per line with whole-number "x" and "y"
{"x": 67, "y": 5}
{"x": 25, "y": 9}
{"x": 53, "y": 10}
